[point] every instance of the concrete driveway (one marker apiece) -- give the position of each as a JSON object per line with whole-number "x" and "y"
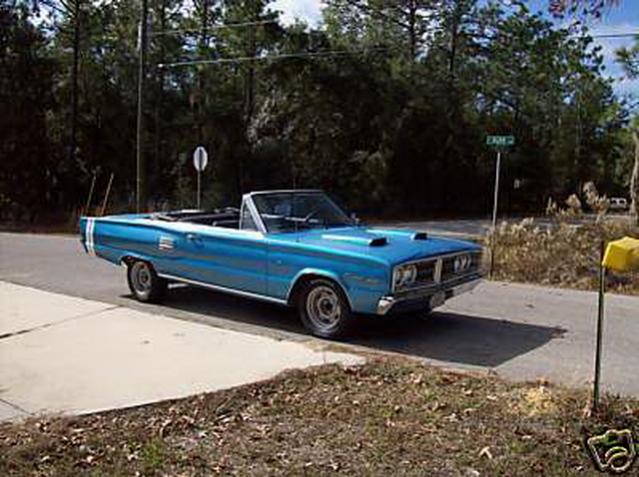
{"x": 71, "y": 355}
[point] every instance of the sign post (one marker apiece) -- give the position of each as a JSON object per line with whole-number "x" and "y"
{"x": 496, "y": 194}
{"x": 200, "y": 160}
{"x": 499, "y": 143}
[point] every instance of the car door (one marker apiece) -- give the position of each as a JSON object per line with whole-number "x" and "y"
{"x": 224, "y": 257}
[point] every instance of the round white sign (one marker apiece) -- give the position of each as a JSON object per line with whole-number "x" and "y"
{"x": 200, "y": 158}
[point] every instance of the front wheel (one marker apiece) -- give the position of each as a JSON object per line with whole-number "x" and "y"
{"x": 324, "y": 309}
{"x": 144, "y": 283}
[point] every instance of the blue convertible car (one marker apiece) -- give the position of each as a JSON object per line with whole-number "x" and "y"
{"x": 296, "y": 248}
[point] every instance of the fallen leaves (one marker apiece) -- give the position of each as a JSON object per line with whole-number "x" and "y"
{"x": 485, "y": 452}
{"x": 385, "y": 417}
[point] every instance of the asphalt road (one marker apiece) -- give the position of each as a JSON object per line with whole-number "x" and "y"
{"x": 478, "y": 227}
{"x": 521, "y": 332}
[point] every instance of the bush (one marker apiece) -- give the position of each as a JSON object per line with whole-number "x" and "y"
{"x": 562, "y": 254}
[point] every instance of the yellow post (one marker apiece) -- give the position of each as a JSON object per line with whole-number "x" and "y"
{"x": 620, "y": 256}
{"x": 600, "y": 318}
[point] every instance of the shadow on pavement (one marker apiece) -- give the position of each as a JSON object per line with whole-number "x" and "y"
{"x": 457, "y": 338}
{"x": 443, "y": 336}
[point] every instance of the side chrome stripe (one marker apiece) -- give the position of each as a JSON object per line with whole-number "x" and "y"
{"x": 89, "y": 237}
{"x": 232, "y": 291}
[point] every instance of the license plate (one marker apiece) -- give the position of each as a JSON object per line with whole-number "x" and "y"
{"x": 437, "y": 299}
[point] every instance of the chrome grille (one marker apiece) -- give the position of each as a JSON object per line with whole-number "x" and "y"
{"x": 448, "y": 266}
{"x": 425, "y": 271}
{"x": 441, "y": 269}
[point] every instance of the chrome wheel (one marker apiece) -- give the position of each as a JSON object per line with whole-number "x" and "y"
{"x": 323, "y": 307}
{"x": 144, "y": 283}
{"x": 141, "y": 278}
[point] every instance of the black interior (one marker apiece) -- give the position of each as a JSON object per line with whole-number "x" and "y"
{"x": 228, "y": 217}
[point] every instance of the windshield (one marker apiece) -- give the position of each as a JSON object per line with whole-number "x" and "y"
{"x": 291, "y": 211}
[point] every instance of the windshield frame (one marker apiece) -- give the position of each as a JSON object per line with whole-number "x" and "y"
{"x": 257, "y": 214}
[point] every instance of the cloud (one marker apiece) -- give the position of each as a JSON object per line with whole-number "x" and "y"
{"x": 309, "y": 11}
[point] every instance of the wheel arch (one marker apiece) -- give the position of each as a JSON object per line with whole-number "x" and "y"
{"x": 128, "y": 258}
{"x": 305, "y": 276}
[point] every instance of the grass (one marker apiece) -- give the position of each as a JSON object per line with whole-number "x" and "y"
{"x": 386, "y": 417}
{"x": 563, "y": 255}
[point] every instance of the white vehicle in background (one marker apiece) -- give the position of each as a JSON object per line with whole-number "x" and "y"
{"x": 618, "y": 204}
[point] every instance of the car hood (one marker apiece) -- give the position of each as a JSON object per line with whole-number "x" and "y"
{"x": 392, "y": 246}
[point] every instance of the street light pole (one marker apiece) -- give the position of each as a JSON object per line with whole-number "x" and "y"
{"x": 139, "y": 154}
{"x": 74, "y": 81}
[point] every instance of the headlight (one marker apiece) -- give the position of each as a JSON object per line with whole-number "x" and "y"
{"x": 404, "y": 275}
{"x": 462, "y": 263}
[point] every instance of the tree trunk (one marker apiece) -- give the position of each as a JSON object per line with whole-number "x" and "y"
{"x": 412, "y": 30}
{"x": 634, "y": 179}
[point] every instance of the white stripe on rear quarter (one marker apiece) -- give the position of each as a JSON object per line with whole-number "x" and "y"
{"x": 93, "y": 237}
{"x": 88, "y": 239}
{"x": 87, "y": 236}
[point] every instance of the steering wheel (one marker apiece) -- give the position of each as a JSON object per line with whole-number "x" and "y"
{"x": 309, "y": 216}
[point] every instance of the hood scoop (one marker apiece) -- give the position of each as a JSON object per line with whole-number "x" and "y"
{"x": 401, "y": 233}
{"x": 378, "y": 242}
{"x": 364, "y": 241}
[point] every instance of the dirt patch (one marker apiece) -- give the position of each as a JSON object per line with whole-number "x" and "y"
{"x": 387, "y": 417}
{"x": 535, "y": 401}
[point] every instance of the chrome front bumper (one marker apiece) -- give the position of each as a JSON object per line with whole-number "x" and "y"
{"x": 386, "y": 303}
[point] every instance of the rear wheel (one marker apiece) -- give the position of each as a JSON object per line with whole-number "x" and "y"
{"x": 144, "y": 282}
{"x": 324, "y": 309}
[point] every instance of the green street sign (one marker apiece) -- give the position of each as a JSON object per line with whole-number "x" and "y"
{"x": 500, "y": 141}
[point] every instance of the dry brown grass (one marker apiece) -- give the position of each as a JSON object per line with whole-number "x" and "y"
{"x": 565, "y": 254}
{"x": 388, "y": 417}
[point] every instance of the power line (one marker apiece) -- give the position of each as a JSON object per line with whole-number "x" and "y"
{"x": 616, "y": 35}
{"x": 243, "y": 59}
{"x": 144, "y": 35}
{"x": 212, "y": 27}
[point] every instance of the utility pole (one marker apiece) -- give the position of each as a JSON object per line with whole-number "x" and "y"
{"x": 139, "y": 153}
{"x": 74, "y": 80}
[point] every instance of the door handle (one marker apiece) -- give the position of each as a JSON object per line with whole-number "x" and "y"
{"x": 192, "y": 237}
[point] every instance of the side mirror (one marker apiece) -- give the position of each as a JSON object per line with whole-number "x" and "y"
{"x": 355, "y": 218}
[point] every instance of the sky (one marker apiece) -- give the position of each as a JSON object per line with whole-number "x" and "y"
{"x": 622, "y": 18}
{"x": 307, "y": 10}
